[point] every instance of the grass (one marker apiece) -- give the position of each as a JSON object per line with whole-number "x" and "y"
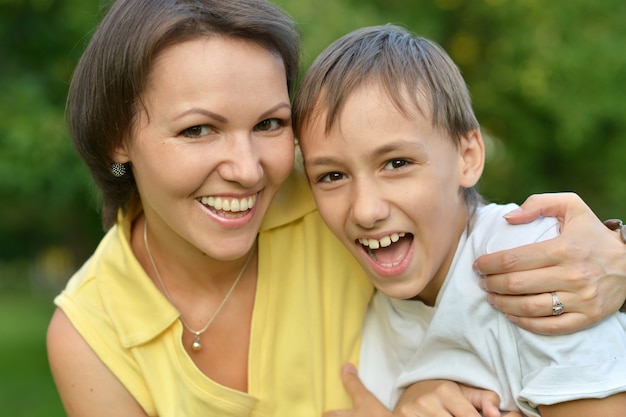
{"x": 26, "y": 386}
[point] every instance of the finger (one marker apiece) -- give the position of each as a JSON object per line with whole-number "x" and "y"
{"x": 353, "y": 384}
{"x": 485, "y": 401}
{"x": 529, "y": 282}
{"x": 566, "y": 276}
{"x": 536, "y": 305}
{"x": 364, "y": 403}
{"x": 563, "y": 324}
{"x": 559, "y": 205}
{"x": 468, "y": 403}
{"x": 489, "y": 409}
{"x": 527, "y": 257}
{"x": 436, "y": 398}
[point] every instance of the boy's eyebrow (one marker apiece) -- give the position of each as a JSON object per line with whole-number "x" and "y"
{"x": 396, "y": 146}
{"x": 321, "y": 160}
{"x": 400, "y": 145}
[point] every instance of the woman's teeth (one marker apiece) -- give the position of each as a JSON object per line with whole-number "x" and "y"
{"x": 230, "y": 204}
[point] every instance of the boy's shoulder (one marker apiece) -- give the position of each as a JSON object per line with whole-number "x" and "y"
{"x": 491, "y": 232}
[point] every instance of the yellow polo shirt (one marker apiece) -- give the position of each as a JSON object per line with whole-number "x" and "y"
{"x": 310, "y": 303}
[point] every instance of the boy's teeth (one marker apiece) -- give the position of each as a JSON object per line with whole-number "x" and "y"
{"x": 233, "y": 204}
{"x": 386, "y": 241}
{"x": 382, "y": 242}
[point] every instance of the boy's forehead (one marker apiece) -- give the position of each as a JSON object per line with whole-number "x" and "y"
{"x": 369, "y": 107}
{"x": 333, "y": 116}
{"x": 409, "y": 102}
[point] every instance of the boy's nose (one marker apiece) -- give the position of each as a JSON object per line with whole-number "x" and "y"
{"x": 368, "y": 205}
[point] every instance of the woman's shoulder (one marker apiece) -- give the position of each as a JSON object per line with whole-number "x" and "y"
{"x": 71, "y": 360}
{"x": 102, "y": 295}
{"x": 293, "y": 202}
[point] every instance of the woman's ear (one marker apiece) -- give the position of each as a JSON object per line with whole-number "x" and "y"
{"x": 120, "y": 154}
{"x": 472, "y": 153}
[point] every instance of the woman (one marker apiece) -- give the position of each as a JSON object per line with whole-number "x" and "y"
{"x": 213, "y": 293}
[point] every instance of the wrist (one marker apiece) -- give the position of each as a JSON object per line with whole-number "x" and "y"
{"x": 620, "y": 227}
{"x": 617, "y": 225}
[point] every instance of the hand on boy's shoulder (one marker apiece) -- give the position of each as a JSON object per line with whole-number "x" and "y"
{"x": 493, "y": 233}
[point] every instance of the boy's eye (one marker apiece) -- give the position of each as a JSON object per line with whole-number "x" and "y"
{"x": 331, "y": 177}
{"x": 269, "y": 125}
{"x": 396, "y": 163}
{"x": 196, "y": 131}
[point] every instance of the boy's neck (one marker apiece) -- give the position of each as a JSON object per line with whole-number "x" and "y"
{"x": 430, "y": 292}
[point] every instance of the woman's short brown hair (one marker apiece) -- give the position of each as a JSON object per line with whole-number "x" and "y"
{"x": 103, "y": 98}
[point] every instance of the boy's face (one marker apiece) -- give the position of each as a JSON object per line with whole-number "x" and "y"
{"x": 389, "y": 186}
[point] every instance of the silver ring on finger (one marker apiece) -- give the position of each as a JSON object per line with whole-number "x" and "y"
{"x": 557, "y": 305}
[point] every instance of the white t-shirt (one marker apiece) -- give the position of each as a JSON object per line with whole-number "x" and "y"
{"x": 463, "y": 338}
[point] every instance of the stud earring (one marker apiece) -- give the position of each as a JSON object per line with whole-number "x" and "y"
{"x": 117, "y": 169}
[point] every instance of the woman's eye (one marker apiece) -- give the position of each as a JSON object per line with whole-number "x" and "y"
{"x": 269, "y": 125}
{"x": 196, "y": 131}
{"x": 396, "y": 163}
{"x": 331, "y": 177}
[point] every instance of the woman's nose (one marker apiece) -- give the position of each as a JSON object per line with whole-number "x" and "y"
{"x": 243, "y": 162}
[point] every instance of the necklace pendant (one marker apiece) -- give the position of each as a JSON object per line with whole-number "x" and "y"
{"x": 196, "y": 345}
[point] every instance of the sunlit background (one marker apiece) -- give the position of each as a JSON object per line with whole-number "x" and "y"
{"x": 548, "y": 80}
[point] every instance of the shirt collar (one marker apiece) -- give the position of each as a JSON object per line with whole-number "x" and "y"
{"x": 138, "y": 310}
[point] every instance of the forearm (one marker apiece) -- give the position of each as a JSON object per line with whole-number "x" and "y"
{"x": 612, "y": 406}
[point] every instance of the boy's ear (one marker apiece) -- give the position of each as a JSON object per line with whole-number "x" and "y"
{"x": 472, "y": 153}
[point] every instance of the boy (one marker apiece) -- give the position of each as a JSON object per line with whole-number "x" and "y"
{"x": 392, "y": 150}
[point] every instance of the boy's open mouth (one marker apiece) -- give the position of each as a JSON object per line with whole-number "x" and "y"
{"x": 389, "y": 250}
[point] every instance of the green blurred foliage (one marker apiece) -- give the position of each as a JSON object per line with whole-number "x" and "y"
{"x": 46, "y": 193}
{"x": 26, "y": 386}
{"x": 547, "y": 79}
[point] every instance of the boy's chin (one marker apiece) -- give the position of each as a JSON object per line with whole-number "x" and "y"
{"x": 397, "y": 290}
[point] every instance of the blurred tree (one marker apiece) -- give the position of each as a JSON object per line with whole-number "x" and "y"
{"x": 45, "y": 189}
{"x": 548, "y": 81}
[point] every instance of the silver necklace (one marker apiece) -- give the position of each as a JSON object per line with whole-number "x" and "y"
{"x": 195, "y": 345}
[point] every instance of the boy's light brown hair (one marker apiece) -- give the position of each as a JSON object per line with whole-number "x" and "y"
{"x": 401, "y": 63}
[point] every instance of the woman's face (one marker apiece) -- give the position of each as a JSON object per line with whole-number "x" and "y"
{"x": 212, "y": 144}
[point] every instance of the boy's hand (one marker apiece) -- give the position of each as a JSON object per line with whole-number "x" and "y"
{"x": 585, "y": 265}
{"x": 442, "y": 398}
{"x": 435, "y": 398}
